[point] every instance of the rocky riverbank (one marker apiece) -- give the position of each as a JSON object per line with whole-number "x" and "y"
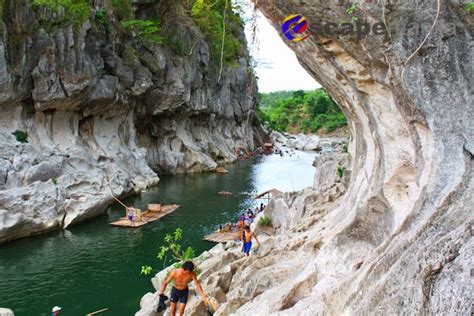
{"x": 104, "y": 112}
{"x": 307, "y": 142}
{"x": 279, "y": 268}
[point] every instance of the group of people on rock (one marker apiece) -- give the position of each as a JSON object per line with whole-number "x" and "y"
{"x": 280, "y": 152}
{"x": 244, "y": 225}
{"x": 242, "y": 153}
{"x": 184, "y": 275}
{"x": 244, "y": 220}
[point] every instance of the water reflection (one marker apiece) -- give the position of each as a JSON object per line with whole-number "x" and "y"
{"x": 95, "y": 265}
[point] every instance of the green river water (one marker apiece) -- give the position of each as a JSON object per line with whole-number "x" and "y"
{"x": 94, "y": 265}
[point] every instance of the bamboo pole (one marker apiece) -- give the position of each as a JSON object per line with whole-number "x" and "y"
{"x": 123, "y": 204}
{"x": 97, "y": 312}
{"x": 126, "y": 210}
{"x": 120, "y": 202}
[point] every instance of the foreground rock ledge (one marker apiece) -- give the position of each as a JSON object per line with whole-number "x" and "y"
{"x": 400, "y": 239}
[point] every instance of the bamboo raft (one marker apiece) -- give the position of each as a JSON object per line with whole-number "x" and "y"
{"x": 269, "y": 194}
{"x": 154, "y": 213}
{"x": 224, "y": 193}
{"x": 221, "y": 170}
{"x": 223, "y": 237}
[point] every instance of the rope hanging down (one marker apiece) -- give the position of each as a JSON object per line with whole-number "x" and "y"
{"x": 223, "y": 41}
{"x": 405, "y": 64}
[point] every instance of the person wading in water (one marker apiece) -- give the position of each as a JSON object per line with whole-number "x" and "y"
{"x": 179, "y": 292}
{"x": 247, "y": 240}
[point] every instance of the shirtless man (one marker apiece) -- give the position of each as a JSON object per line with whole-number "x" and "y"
{"x": 179, "y": 292}
{"x": 247, "y": 239}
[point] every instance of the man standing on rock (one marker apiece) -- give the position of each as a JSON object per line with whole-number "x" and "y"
{"x": 247, "y": 240}
{"x": 180, "y": 290}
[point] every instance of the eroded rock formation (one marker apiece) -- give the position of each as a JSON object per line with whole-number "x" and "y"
{"x": 399, "y": 241}
{"x": 106, "y": 112}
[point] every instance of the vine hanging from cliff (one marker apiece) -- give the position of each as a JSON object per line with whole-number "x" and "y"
{"x": 438, "y": 10}
{"x": 223, "y": 41}
{"x": 407, "y": 61}
{"x": 221, "y": 27}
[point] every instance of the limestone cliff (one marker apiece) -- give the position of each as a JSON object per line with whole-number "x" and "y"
{"x": 105, "y": 111}
{"x": 399, "y": 240}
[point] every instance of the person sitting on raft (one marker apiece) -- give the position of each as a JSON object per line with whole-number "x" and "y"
{"x": 247, "y": 240}
{"x": 130, "y": 214}
{"x": 180, "y": 290}
{"x": 262, "y": 207}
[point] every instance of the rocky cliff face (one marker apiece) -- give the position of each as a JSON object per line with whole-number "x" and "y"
{"x": 400, "y": 239}
{"x": 105, "y": 112}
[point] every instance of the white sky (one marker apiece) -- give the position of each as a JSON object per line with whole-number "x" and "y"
{"x": 277, "y": 66}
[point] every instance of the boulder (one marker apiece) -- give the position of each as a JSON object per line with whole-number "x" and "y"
{"x": 6, "y": 312}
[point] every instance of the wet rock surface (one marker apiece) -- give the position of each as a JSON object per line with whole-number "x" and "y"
{"x": 106, "y": 113}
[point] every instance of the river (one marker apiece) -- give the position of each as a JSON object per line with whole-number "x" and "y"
{"x": 94, "y": 265}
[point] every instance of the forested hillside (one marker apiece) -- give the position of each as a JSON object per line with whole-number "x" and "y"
{"x": 300, "y": 111}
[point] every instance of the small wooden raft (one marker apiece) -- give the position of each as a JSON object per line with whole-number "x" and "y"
{"x": 222, "y": 237}
{"x": 154, "y": 213}
{"x": 268, "y": 194}
{"x": 221, "y": 170}
{"x": 224, "y": 193}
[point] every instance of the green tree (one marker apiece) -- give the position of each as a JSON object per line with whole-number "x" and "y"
{"x": 265, "y": 221}
{"x": 146, "y": 30}
{"x": 123, "y": 9}
{"x": 300, "y": 111}
{"x": 171, "y": 250}
{"x": 21, "y": 136}
{"x": 470, "y": 7}
{"x": 340, "y": 171}
{"x": 298, "y": 95}
{"x": 77, "y": 11}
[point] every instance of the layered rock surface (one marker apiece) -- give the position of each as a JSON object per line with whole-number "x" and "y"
{"x": 299, "y": 141}
{"x": 399, "y": 241}
{"x": 305, "y": 141}
{"x": 105, "y": 112}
